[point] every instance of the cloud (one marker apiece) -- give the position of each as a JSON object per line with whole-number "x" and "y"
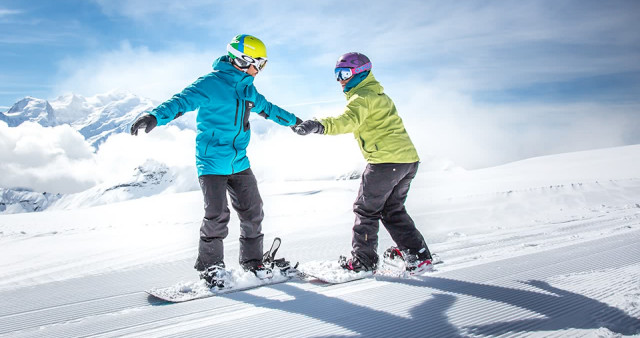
{"x": 121, "y": 153}
{"x": 447, "y": 128}
{"x": 469, "y": 46}
{"x": 45, "y": 159}
{"x": 59, "y": 160}
{"x": 144, "y": 9}
{"x": 157, "y": 75}
{"x": 280, "y": 154}
{"x": 8, "y": 12}
{"x": 451, "y": 125}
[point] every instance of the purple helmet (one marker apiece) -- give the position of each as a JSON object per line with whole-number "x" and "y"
{"x": 352, "y": 60}
{"x": 351, "y": 64}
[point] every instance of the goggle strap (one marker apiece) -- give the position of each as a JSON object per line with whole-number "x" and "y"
{"x": 363, "y": 68}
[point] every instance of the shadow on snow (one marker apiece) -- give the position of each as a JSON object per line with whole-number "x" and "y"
{"x": 561, "y": 310}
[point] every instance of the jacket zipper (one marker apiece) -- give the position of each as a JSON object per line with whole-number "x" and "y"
{"x": 235, "y": 123}
{"x": 208, "y": 143}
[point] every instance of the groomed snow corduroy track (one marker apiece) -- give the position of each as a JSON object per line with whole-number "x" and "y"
{"x": 539, "y": 294}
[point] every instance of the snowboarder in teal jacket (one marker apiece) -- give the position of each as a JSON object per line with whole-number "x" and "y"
{"x": 224, "y": 99}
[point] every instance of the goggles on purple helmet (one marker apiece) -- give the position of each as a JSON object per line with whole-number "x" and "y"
{"x": 345, "y": 73}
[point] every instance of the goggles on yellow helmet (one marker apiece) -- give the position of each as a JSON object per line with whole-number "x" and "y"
{"x": 244, "y": 61}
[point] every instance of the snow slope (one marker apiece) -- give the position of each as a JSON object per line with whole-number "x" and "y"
{"x": 542, "y": 247}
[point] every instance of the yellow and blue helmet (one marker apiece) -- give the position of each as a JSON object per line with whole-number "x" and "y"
{"x": 246, "y": 50}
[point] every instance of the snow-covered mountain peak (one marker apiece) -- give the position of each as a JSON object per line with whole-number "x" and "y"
{"x": 150, "y": 178}
{"x": 95, "y": 117}
{"x": 150, "y": 174}
{"x": 70, "y": 108}
{"x": 22, "y": 200}
{"x": 30, "y": 109}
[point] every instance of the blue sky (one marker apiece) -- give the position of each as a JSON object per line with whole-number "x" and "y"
{"x": 481, "y": 82}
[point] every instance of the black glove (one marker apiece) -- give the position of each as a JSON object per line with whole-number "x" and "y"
{"x": 298, "y": 121}
{"x": 146, "y": 121}
{"x": 310, "y": 126}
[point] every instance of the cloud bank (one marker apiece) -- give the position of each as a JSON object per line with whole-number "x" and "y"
{"x": 59, "y": 160}
{"x": 45, "y": 159}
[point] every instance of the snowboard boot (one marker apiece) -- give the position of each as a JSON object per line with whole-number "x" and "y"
{"x": 258, "y": 269}
{"x": 393, "y": 257}
{"x": 414, "y": 263}
{"x": 355, "y": 265}
{"x": 215, "y": 276}
{"x": 418, "y": 263}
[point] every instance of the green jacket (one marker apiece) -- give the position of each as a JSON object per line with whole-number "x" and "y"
{"x": 374, "y": 121}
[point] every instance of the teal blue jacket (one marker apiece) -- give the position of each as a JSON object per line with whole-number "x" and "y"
{"x": 223, "y": 100}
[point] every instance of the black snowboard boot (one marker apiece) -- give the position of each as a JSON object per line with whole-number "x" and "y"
{"x": 258, "y": 269}
{"x": 215, "y": 275}
{"x": 354, "y": 264}
{"x": 415, "y": 261}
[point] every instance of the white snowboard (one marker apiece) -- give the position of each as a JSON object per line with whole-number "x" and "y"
{"x": 239, "y": 280}
{"x": 331, "y": 272}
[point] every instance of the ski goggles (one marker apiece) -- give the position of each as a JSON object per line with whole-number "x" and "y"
{"x": 244, "y": 61}
{"x": 344, "y": 73}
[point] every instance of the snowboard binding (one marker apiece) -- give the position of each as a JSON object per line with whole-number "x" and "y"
{"x": 404, "y": 260}
{"x": 215, "y": 276}
{"x": 283, "y": 265}
{"x": 393, "y": 257}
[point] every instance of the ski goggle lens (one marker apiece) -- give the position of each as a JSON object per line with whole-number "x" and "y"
{"x": 245, "y": 61}
{"x": 343, "y": 74}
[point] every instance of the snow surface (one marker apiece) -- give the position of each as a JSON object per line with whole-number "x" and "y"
{"x": 542, "y": 247}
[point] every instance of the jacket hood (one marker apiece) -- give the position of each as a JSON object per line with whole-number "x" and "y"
{"x": 223, "y": 66}
{"x": 369, "y": 83}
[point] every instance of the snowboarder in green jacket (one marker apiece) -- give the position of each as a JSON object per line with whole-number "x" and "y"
{"x": 392, "y": 164}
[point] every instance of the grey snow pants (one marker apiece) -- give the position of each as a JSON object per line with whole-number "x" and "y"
{"x": 246, "y": 201}
{"x": 382, "y": 194}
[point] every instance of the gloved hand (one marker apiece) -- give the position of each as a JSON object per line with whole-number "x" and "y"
{"x": 298, "y": 121}
{"x": 146, "y": 121}
{"x": 310, "y": 126}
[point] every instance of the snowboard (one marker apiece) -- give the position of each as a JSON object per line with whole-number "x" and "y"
{"x": 331, "y": 272}
{"x": 235, "y": 280}
{"x": 240, "y": 280}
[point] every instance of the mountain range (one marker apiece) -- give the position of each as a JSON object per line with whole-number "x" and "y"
{"x": 96, "y": 117}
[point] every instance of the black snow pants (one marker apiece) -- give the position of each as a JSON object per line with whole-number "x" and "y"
{"x": 382, "y": 194}
{"x": 246, "y": 201}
